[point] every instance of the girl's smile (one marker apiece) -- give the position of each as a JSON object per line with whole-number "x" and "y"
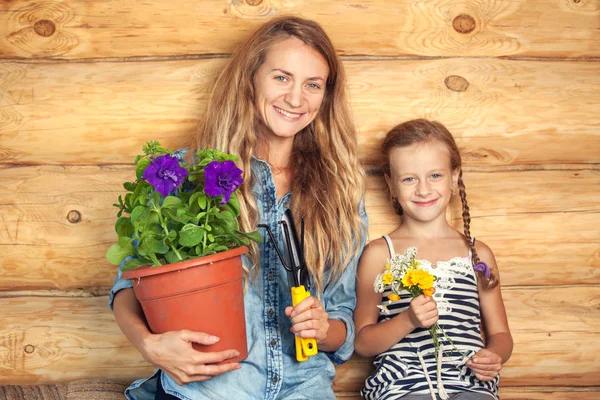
{"x": 425, "y": 203}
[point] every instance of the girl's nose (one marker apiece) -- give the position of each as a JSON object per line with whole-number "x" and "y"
{"x": 423, "y": 188}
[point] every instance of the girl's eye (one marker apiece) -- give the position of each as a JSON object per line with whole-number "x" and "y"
{"x": 436, "y": 176}
{"x": 408, "y": 180}
{"x": 314, "y": 86}
{"x": 280, "y": 78}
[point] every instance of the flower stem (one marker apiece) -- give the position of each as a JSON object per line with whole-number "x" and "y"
{"x": 209, "y": 205}
{"x": 163, "y": 224}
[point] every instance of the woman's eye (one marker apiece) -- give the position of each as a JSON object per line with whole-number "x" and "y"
{"x": 436, "y": 176}
{"x": 280, "y": 78}
{"x": 314, "y": 86}
{"x": 408, "y": 180}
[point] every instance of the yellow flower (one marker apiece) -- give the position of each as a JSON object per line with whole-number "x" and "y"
{"x": 428, "y": 292}
{"x": 387, "y": 266}
{"x": 407, "y": 279}
{"x": 393, "y": 297}
{"x": 423, "y": 279}
{"x": 387, "y": 278}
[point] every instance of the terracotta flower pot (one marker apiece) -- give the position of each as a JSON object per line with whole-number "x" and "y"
{"x": 203, "y": 295}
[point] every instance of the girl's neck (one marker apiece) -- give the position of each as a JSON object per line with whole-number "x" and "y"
{"x": 436, "y": 229}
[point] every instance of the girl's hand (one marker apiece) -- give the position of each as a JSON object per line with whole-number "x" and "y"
{"x": 173, "y": 353}
{"x": 309, "y": 319}
{"x": 485, "y": 364}
{"x": 422, "y": 311}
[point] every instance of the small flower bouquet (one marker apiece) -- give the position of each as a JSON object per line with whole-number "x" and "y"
{"x": 180, "y": 244}
{"x": 176, "y": 212}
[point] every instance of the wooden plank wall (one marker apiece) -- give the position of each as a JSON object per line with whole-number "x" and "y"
{"x": 83, "y": 84}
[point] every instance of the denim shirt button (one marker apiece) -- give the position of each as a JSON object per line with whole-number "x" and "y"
{"x": 270, "y": 276}
{"x": 286, "y": 204}
{"x": 275, "y": 379}
{"x": 270, "y": 312}
{"x": 273, "y": 342}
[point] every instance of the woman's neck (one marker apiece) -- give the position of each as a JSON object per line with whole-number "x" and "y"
{"x": 277, "y": 153}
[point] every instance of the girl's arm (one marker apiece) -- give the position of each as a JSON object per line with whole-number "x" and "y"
{"x": 374, "y": 338}
{"x": 499, "y": 344}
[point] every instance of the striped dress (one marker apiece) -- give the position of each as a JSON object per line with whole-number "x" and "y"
{"x": 410, "y": 364}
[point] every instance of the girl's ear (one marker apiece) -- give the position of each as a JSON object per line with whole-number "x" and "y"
{"x": 455, "y": 175}
{"x": 388, "y": 181}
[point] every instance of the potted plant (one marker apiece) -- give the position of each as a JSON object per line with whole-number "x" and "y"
{"x": 180, "y": 244}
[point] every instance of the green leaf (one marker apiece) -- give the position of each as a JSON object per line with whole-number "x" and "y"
{"x": 234, "y": 205}
{"x": 211, "y": 238}
{"x": 202, "y": 201}
{"x": 118, "y": 252}
{"x": 141, "y": 167}
{"x": 171, "y": 203}
{"x": 190, "y": 235}
{"x": 129, "y": 186}
{"x": 134, "y": 263}
{"x": 124, "y": 227}
{"x": 157, "y": 246}
{"x": 256, "y": 236}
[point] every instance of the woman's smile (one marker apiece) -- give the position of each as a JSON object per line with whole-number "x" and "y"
{"x": 291, "y": 116}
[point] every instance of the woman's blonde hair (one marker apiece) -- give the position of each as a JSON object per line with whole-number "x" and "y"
{"x": 425, "y": 131}
{"x": 327, "y": 182}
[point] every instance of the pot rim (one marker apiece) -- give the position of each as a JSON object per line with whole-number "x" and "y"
{"x": 148, "y": 270}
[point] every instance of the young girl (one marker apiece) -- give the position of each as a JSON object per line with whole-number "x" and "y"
{"x": 423, "y": 172}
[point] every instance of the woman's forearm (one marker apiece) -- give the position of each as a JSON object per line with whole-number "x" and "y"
{"x": 131, "y": 320}
{"x": 336, "y": 336}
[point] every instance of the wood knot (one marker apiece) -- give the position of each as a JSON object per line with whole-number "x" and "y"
{"x": 74, "y": 216}
{"x": 576, "y": 1}
{"x": 464, "y": 23}
{"x": 456, "y": 83}
{"x": 254, "y": 3}
{"x": 44, "y": 28}
{"x": 29, "y": 349}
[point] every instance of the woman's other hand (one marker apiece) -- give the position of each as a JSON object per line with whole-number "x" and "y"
{"x": 173, "y": 353}
{"x": 309, "y": 319}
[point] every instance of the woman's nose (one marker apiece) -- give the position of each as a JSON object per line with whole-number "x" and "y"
{"x": 294, "y": 96}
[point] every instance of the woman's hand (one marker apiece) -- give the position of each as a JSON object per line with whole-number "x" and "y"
{"x": 422, "y": 311}
{"x": 173, "y": 353}
{"x": 485, "y": 364}
{"x": 309, "y": 319}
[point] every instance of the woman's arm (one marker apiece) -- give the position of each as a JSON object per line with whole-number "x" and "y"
{"x": 172, "y": 351}
{"x": 487, "y": 363}
{"x": 374, "y": 338}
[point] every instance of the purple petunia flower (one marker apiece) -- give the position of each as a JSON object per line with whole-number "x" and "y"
{"x": 165, "y": 174}
{"x": 222, "y": 179}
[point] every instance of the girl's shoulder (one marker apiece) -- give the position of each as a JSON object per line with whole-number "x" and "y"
{"x": 374, "y": 255}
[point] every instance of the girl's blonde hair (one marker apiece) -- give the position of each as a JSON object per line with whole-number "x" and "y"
{"x": 424, "y": 131}
{"x": 327, "y": 182}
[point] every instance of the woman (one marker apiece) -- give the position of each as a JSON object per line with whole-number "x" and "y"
{"x": 280, "y": 106}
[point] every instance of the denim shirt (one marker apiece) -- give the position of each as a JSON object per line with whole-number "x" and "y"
{"x": 271, "y": 370}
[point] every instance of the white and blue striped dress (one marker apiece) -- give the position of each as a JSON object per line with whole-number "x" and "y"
{"x": 399, "y": 370}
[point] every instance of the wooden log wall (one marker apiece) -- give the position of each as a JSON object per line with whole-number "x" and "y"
{"x": 84, "y": 84}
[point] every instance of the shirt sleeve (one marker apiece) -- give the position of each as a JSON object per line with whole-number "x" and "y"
{"x": 340, "y": 299}
{"x": 119, "y": 284}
